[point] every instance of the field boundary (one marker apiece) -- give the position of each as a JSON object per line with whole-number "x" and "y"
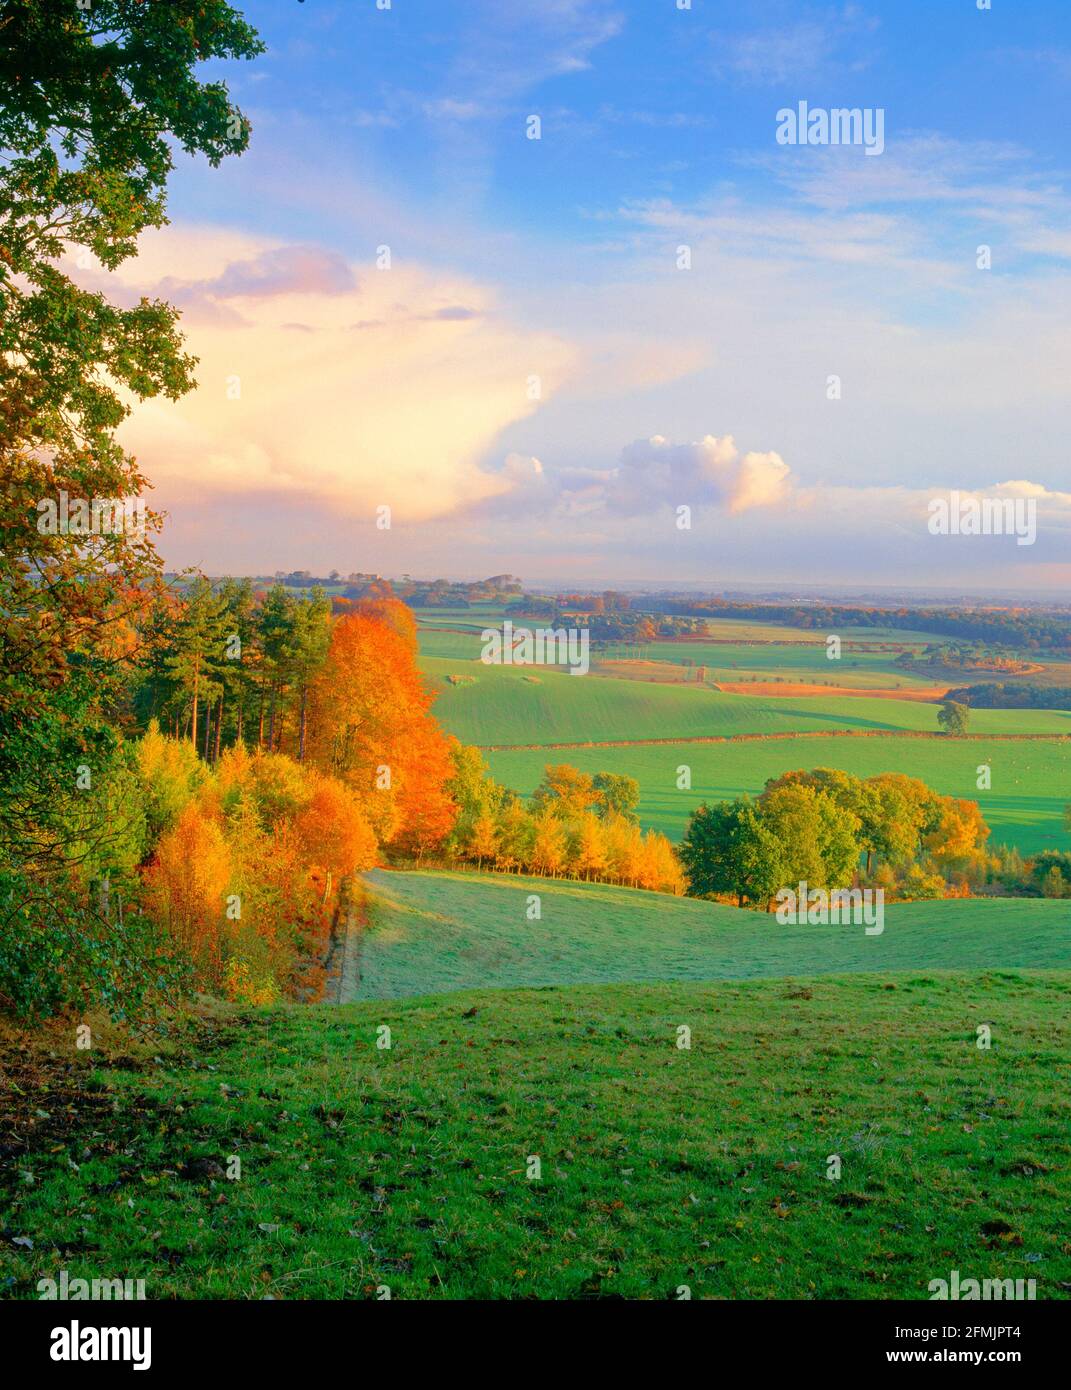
{"x": 770, "y": 738}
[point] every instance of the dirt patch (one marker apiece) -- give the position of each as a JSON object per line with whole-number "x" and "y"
{"x": 50, "y": 1097}
{"x": 352, "y": 920}
{"x": 660, "y": 672}
{"x": 795, "y": 689}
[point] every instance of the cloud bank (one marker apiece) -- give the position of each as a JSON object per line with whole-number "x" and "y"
{"x": 331, "y": 381}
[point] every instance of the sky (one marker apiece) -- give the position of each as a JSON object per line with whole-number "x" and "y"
{"x": 537, "y": 351}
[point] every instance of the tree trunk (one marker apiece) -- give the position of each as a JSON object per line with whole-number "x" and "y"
{"x": 219, "y": 729}
{"x": 301, "y": 734}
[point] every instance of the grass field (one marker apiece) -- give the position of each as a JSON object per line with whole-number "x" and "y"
{"x": 430, "y": 932}
{"x": 365, "y": 1170}
{"x": 798, "y": 662}
{"x": 759, "y": 659}
{"x": 525, "y": 705}
{"x": 1031, "y": 781}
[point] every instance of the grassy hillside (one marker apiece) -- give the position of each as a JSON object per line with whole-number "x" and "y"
{"x": 438, "y": 931}
{"x": 1030, "y": 781}
{"x": 408, "y": 1169}
{"x": 514, "y": 705}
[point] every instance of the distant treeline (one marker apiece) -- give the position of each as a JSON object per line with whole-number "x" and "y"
{"x": 1020, "y": 629}
{"x": 1012, "y": 695}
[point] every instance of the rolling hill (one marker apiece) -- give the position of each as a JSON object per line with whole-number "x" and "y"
{"x": 522, "y": 706}
{"x": 430, "y": 932}
{"x": 560, "y": 1143}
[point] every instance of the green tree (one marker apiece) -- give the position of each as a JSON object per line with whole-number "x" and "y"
{"x": 1050, "y": 872}
{"x": 196, "y": 657}
{"x": 954, "y": 717}
{"x": 474, "y": 792}
{"x": 619, "y": 795}
{"x": 728, "y": 850}
{"x": 275, "y": 628}
{"x": 309, "y": 641}
{"x": 93, "y": 98}
{"x": 818, "y": 836}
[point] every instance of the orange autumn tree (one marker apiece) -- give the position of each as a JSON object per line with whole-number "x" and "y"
{"x": 187, "y": 885}
{"x": 334, "y": 832}
{"x": 392, "y": 613}
{"x": 245, "y": 880}
{"x": 369, "y": 724}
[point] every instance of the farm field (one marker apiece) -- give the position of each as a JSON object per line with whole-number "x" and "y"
{"x": 659, "y": 1167}
{"x": 738, "y": 652}
{"x": 1031, "y": 781}
{"x": 793, "y": 655}
{"x": 430, "y": 932}
{"x": 774, "y": 658}
{"x": 536, "y": 705}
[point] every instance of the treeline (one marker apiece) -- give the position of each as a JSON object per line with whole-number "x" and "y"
{"x": 961, "y": 656}
{"x": 418, "y": 593}
{"x": 577, "y": 826}
{"x": 830, "y": 829}
{"x": 296, "y": 748}
{"x": 605, "y": 618}
{"x": 1017, "y": 628}
{"x": 1012, "y": 695}
{"x": 244, "y": 864}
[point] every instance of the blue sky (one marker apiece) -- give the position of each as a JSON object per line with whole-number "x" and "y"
{"x": 558, "y": 258}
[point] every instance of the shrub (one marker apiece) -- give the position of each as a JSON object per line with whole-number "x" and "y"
{"x": 61, "y": 950}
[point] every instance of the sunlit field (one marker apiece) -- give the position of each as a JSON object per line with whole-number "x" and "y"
{"x": 428, "y": 932}
{"x": 1024, "y": 806}
{"x": 560, "y": 1143}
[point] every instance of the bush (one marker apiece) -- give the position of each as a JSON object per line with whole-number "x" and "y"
{"x": 61, "y": 950}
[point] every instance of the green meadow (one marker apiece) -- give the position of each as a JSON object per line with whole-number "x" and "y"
{"x": 1031, "y": 780}
{"x": 457, "y": 638}
{"x": 429, "y": 932}
{"x": 801, "y": 661}
{"x": 839, "y": 1138}
{"x": 536, "y": 705}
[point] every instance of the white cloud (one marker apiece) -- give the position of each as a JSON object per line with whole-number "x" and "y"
{"x": 711, "y": 471}
{"x": 393, "y": 390}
